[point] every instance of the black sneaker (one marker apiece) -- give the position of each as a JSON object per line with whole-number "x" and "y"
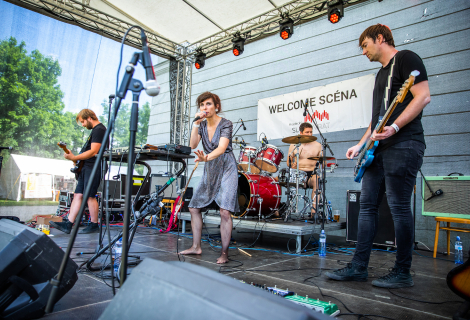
{"x": 352, "y": 272}
{"x": 397, "y": 278}
{"x": 91, "y": 228}
{"x": 64, "y": 226}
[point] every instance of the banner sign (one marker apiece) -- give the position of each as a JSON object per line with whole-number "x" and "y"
{"x": 338, "y": 106}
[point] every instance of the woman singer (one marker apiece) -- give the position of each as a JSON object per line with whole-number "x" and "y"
{"x": 219, "y": 182}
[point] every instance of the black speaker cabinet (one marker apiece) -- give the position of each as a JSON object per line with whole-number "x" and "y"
{"x": 386, "y": 230}
{"x": 178, "y": 290}
{"x": 29, "y": 259}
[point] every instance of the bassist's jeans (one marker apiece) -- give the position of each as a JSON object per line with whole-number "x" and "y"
{"x": 393, "y": 170}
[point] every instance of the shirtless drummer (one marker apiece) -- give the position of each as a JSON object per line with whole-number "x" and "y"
{"x": 307, "y": 150}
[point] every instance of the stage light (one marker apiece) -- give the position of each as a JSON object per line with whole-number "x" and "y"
{"x": 286, "y": 29}
{"x": 238, "y": 45}
{"x": 200, "y": 60}
{"x": 335, "y": 10}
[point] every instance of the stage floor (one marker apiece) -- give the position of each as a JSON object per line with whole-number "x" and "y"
{"x": 270, "y": 265}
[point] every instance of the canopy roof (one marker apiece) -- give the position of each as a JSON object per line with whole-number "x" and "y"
{"x": 177, "y": 28}
{"x": 27, "y": 164}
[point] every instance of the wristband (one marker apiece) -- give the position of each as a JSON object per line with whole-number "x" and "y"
{"x": 197, "y": 126}
{"x": 394, "y": 126}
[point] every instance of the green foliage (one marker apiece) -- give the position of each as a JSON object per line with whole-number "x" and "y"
{"x": 31, "y": 107}
{"x": 121, "y": 128}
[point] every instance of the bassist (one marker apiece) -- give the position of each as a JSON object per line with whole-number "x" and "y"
{"x": 87, "y": 118}
{"x": 398, "y": 157}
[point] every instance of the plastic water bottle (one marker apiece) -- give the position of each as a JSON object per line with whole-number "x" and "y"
{"x": 117, "y": 257}
{"x": 458, "y": 251}
{"x": 322, "y": 250}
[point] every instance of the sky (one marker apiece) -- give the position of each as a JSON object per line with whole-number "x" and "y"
{"x": 89, "y": 61}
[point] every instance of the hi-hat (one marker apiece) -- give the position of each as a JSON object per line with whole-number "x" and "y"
{"x": 321, "y": 158}
{"x": 301, "y": 138}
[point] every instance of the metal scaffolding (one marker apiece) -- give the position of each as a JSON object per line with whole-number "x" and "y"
{"x": 263, "y": 25}
{"x": 180, "y": 95}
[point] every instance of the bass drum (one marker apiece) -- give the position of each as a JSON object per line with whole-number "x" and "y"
{"x": 252, "y": 187}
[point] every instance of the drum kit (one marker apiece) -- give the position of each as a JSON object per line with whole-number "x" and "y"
{"x": 259, "y": 193}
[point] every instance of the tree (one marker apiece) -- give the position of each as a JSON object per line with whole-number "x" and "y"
{"x": 121, "y": 127}
{"x": 31, "y": 107}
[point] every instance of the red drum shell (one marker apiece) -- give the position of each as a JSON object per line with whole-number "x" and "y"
{"x": 244, "y": 161}
{"x": 269, "y": 158}
{"x": 255, "y": 186}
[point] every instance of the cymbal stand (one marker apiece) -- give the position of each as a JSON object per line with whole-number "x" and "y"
{"x": 324, "y": 146}
{"x": 297, "y": 195}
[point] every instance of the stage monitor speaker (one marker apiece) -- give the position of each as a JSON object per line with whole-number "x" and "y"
{"x": 114, "y": 188}
{"x": 138, "y": 181}
{"x": 385, "y": 231}
{"x": 158, "y": 179}
{"x": 454, "y": 201}
{"x": 29, "y": 259}
{"x": 180, "y": 290}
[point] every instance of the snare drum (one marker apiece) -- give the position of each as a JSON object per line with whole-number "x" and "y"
{"x": 253, "y": 187}
{"x": 247, "y": 159}
{"x": 302, "y": 177}
{"x": 269, "y": 158}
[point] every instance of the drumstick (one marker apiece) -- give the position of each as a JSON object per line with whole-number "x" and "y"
{"x": 243, "y": 251}
{"x": 184, "y": 191}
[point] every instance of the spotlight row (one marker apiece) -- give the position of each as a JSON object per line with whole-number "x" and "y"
{"x": 286, "y": 30}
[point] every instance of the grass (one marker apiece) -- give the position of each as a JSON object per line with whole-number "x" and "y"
{"x": 12, "y": 203}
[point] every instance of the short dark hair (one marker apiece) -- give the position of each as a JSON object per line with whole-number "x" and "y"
{"x": 304, "y": 126}
{"x": 209, "y": 95}
{"x": 85, "y": 114}
{"x": 374, "y": 31}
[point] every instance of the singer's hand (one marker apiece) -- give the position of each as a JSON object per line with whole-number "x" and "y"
{"x": 201, "y": 115}
{"x": 201, "y": 157}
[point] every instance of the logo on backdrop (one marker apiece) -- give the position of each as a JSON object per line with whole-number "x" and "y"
{"x": 338, "y": 106}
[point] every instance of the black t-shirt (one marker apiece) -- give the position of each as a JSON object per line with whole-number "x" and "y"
{"x": 405, "y": 62}
{"x": 96, "y": 136}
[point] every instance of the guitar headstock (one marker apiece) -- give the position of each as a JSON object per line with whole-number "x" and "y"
{"x": 406, "y": 86}
{"x": 62, "y": 144}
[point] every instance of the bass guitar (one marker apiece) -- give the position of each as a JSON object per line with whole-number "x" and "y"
{"x": 77, "y": 165}
{"x": 366, "y": 155}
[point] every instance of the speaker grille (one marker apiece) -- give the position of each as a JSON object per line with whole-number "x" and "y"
{"x": 455, "y": 200}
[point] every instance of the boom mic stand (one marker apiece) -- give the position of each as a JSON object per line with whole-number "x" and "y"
{"x": 324, "y": 146}
{"x": 127, "y": 83}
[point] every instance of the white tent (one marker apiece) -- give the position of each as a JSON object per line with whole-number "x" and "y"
{"x": 37, "y": 173}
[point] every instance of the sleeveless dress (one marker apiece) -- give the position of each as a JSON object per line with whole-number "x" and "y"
{"x": 219, "y": 181}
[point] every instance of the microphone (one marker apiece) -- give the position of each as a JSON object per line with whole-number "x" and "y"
{"x": 305, "y": 110}
{"x": 198, "y": 117}
{"x": 6, "y": 148}
{"x": 265, "y": 141}
{"x": 151, "y": 85}
{"x": 152, "y": 206}
{"x": 244, "y": 128}
{"x": 112, "y": 96}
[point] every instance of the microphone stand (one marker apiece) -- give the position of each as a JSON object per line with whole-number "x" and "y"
{"x": 323, "y": 181}
{"x": 127, "y": 83}
{"x": 104, "y": 194}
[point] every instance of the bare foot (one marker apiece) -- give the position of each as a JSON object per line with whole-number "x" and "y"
{"x": 222, "y": 259}
{"x": 192, "y": 250}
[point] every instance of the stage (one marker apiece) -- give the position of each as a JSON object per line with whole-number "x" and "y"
{"x": 271, "y": 265}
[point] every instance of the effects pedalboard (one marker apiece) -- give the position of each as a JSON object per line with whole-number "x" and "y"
{"x": 328, "y": 308}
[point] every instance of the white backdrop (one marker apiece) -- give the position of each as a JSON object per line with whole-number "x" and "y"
{"x": 338, "y": 106}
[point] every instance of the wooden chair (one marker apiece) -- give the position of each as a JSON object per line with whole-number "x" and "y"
{"x": 448, "y": 229}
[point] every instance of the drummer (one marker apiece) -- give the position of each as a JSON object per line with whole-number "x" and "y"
{"x": 307, "y": 150}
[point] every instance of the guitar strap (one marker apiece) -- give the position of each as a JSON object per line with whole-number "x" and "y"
{"x": 388, "y": 90}
{"x": 87, "y": 142}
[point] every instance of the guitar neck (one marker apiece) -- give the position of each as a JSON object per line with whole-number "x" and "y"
{"x": 387, "y": 115}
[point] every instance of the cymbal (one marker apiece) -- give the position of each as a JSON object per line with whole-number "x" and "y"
{"x": 299, "y": 139}
{"x": 321, "y": 158}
